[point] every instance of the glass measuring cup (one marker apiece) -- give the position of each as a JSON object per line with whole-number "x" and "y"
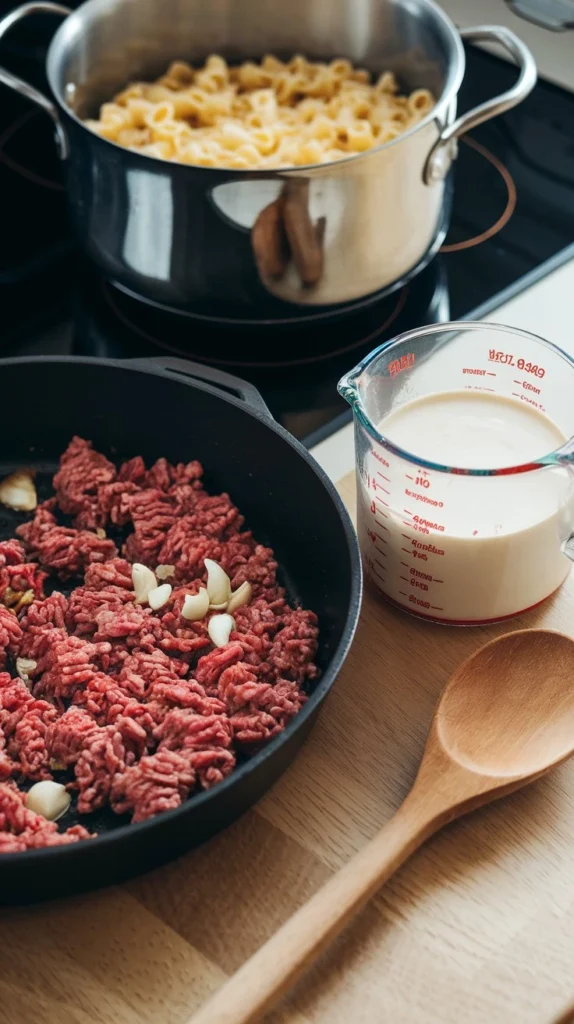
{"x": 464, "y": 544}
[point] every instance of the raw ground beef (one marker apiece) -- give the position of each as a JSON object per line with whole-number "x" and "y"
{"x": 132, "y": 708}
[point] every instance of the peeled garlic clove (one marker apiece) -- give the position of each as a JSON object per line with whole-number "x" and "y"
{"x": 24, "y": 666}
{"x": 165, "y": 572}
{"x": 195, "y": 606}
{"x": 219, "y": 628}
{"x": 143, "y": 580}
{"x": 240, "y": 597}
{"x": 26, "y": 598}
{"x": 159, "y": 596}
{"x": 218, "y": 607}
{"x": 17, "y": 491}
{"x": 50, "y": 799}
{"x": 218, "y": 583}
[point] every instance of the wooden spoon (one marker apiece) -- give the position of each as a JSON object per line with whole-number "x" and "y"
{"x": 504, "y": 719}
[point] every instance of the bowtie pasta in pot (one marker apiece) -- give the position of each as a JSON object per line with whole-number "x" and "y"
{"x": 261, "y": 156}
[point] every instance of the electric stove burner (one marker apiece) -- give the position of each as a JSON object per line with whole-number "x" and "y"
{"x": 221, "y": 346}
{"x": 513, "y": 219}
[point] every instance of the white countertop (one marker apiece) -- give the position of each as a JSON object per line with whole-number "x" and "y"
{"x": 553, "y": 51}
{"x": 547, "y": 307}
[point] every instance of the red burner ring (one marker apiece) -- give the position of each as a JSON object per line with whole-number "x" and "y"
{"x": 505, "y": 216}
{"x": 6, "y": 137}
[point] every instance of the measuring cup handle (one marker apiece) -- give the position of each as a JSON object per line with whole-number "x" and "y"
{"x": 568, "y": 547}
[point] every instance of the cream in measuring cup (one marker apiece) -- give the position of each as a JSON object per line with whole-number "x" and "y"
{"x": 475, "y": 543}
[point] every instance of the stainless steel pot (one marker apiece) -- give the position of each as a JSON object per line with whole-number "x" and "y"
{"x": 179, "y": 235}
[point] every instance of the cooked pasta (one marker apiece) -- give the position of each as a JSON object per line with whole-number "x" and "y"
{"x": 272, "y": 114}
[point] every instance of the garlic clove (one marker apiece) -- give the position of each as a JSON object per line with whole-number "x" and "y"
{"x": 218, "y": 607}
{"x": 17, "y": 491}
{"x": 24, "y": 666}
{"x": 159, "y": 596}
{"x": 240, "y": 597}
{"x": 24, "y": 599}
{"x": 48, "y": 798}
{"x": 165, "y": 572}
{"x": 218, "y": 583}
{"x": 219, "y": 628}
{"x": 143, "y": 580}
{"x": 195, "y": 606}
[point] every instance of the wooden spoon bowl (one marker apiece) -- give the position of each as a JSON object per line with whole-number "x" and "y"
{"x": 509, "y": 709}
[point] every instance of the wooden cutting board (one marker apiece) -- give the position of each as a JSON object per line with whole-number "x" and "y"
{"x": 478, "y": 927}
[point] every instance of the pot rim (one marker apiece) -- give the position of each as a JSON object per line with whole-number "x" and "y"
{"x": 73, "y": 25}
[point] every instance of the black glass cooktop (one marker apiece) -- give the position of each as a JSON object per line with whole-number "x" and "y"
{"x": 513, "y": 221}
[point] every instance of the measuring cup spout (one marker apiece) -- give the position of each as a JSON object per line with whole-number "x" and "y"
{"x": 347, "y": 386}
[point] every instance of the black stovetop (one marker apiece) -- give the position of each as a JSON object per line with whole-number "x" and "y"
{"x": 513, "y": 221}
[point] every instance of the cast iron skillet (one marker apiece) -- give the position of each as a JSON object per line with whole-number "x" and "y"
{"x": 181, "y": 410}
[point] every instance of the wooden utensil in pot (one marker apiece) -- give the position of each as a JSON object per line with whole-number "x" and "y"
{"x": 505, "y": 718}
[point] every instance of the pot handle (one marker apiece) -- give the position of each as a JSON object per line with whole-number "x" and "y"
{"x": 24, "y": 88}
{"x": 444, "y": 151}
{"x": 219, "y": 378}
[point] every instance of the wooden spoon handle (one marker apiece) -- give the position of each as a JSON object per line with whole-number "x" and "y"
{"x": 269, "y": 973}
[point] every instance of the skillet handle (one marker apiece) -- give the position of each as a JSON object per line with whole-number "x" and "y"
{"x": 224, "y": 381}
{"x": 24, "y": 88}
{"x": 444, "y": 151}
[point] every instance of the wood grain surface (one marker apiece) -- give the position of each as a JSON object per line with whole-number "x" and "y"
{"x": 477, "y": 927}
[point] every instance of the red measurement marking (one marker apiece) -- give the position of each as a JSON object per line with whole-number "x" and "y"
{"x": 515, "y": 395}
{"x": 437, "y": 581}
{"x": 407, "y": 552}
{"x": 405, "y": 524}
{"x": 403, "y": 593}
{"x": 384, "y": 502}
{"x": 383, "y": 476}
{"x": 385, "y": 490}
{"x": 436, "y": 608}
{"x": 378, "y": 575}
{"x": 405, "y": 536}
{"x": 405, "y": 579}
{"x": 409, "y": 477}
{"x": 490, "y": 374}
{"x": 404, "y": 563}
{"x": 407, "y": 511}
{"x": 484, "y": 389}
{"x": 519, "y": 382}
{"x": 382, "y": 565}
{"x": 381, "y": 524}
{"x": 382, "y": 539}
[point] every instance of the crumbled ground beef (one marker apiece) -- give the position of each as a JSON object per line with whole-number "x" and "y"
{"x": 136, "y": 707}
{"x": 10, "y": 634}
{"x": 63, "y": 549}
{"x": 82, "y": 472}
